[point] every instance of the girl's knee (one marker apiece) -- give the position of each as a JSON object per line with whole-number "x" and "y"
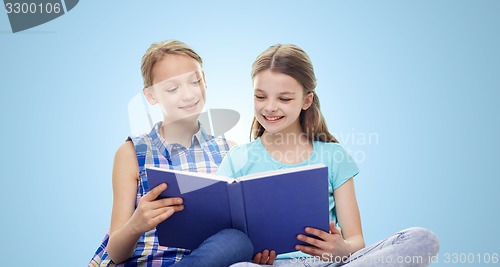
{"x": 237, "y": 239}
{"x": 424, "y": 238}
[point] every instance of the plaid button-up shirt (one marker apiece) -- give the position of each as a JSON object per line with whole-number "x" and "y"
{"x": 204, "y": 155}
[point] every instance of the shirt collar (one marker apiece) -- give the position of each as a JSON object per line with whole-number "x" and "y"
{"x": 199, "y": 137}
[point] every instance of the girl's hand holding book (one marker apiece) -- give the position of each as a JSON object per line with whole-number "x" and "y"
{"x": 327, "y": 246}
{"x": 265, "y": 257}
{"x": 150, "y": 212}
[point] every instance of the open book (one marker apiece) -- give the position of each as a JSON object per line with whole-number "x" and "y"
{"x": 272, "y": 208}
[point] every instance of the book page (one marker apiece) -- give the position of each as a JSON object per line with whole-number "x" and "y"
{"x": 192, "y": 181}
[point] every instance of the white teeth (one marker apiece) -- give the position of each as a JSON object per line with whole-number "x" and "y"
{"x": 273, "y": 118}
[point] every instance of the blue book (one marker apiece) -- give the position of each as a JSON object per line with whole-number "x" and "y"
{"x": 272, "y": 208}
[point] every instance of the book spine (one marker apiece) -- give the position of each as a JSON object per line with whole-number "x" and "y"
{"x": 237, "y": 207}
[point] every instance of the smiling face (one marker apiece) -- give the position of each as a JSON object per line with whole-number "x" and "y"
{"x": 278, "y": 101}
{"x": 178, "y": 87}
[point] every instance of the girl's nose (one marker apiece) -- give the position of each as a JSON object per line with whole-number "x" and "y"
{"x": 188, "y": 93}
{"x": 271, "y": 107}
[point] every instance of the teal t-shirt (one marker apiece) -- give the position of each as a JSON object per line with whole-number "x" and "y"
{"x": 253, "y": 158}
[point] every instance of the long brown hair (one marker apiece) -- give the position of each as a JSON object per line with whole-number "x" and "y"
{"x": 294, "y": 62}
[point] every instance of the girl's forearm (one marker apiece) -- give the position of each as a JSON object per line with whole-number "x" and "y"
{"x": 355, "y": 243}
{"x": 122, "y": 243}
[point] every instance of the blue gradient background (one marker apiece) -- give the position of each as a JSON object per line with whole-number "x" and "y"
{"x": 420, "y": 76}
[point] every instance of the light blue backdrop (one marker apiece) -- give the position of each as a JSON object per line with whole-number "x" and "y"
{"x": 409, "y": 87}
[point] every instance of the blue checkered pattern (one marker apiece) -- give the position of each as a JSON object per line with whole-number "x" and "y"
{"x": 204, "y": 155}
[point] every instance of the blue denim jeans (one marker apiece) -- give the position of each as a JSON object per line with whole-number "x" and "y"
{"x": 411, "y": 247}
{"x": 222, "y": 249}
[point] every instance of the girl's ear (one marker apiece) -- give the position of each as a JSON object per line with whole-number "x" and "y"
{"x": 149, "y": 96}
{"x": 204, "y": 80}
{"x": 308, "y": 101}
